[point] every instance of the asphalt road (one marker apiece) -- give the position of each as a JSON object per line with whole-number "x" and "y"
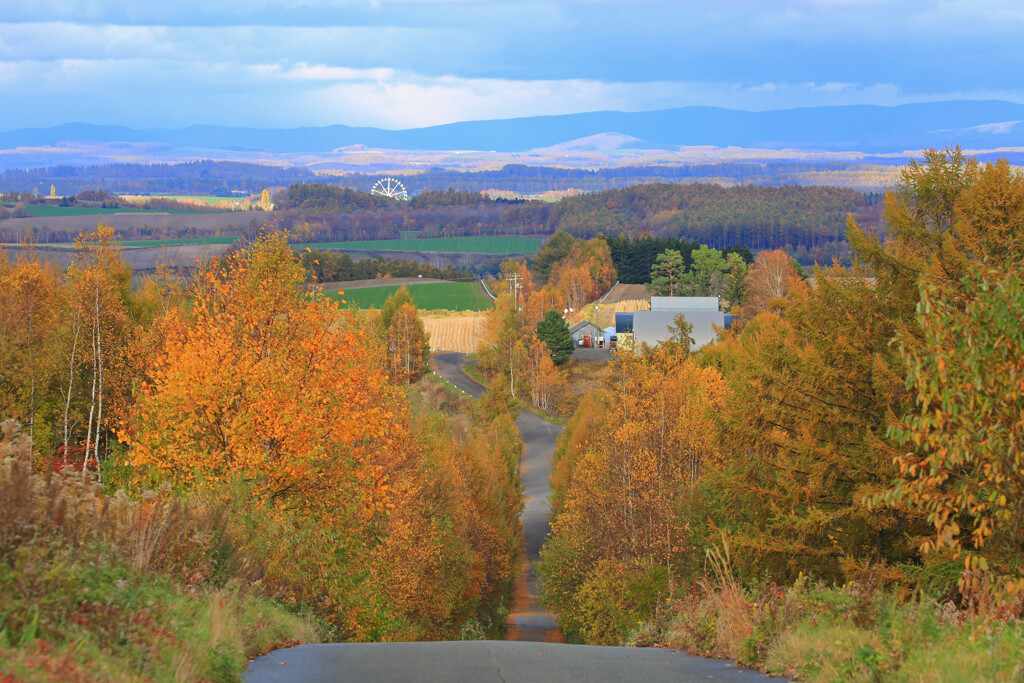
{"x": 528, "y": 621}
{"x": 535, "y": 650}
{"x": 489, "y": 660}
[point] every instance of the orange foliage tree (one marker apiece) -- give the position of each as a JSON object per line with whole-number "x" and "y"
{"x": 266, "y": 382}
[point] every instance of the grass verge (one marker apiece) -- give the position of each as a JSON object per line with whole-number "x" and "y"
{"x": 857, "y": 632}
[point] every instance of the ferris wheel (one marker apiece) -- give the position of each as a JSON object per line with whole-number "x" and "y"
{"x": 391, "y": 188}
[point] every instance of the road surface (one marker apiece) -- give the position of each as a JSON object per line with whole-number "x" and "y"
{"x": 535, "y": 650}
{"x": 489, "y": 660}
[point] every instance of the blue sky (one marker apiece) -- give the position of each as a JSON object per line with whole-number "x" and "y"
{"x": 410, "y": 63}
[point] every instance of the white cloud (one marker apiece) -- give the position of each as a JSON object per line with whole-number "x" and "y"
{"x": 169, "y": 93}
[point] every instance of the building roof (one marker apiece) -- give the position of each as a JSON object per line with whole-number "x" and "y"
{"x": 582, "y": 325}
{"x": 684, "y": 303}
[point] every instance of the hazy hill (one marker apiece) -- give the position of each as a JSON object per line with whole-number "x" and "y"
{"x": 973, "y": 124}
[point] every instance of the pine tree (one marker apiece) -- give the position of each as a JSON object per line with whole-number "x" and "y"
{"x": 554, "y": 332}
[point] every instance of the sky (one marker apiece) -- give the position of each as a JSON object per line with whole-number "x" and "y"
{"x": 412, "y": 63}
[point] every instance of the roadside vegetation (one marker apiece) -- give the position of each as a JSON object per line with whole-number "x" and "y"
{"x": 199, "y": 471}
{"x": 833, "y": 489}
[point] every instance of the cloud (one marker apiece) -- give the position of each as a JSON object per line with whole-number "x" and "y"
{"x": 417, "y": 62}
{"x": 167, "y": 93}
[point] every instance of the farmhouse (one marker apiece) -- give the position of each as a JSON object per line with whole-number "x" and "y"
{"x": 585, "y": 334}
{"x": 653, "y": 327}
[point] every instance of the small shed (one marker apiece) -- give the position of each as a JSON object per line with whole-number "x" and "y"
{"x": 585, "y": 334}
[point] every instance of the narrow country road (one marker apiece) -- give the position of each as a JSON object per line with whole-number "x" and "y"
{"x": 546, "y": 658}
{"x": 527, "y": 619}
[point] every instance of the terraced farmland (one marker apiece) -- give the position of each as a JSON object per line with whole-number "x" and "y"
{"x": 452, "y": 296}
{"x": 467, "y": 245}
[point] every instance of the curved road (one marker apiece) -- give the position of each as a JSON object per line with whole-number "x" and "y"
{"x": 516, "y": 659}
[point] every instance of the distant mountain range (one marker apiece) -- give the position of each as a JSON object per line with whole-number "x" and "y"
{"x": 974, "y": 124}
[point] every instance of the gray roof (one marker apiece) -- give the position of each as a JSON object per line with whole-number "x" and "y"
{"x": 582, "y": 326}
{"x": 684, "y": 303}
{"x": 651, "y": 327}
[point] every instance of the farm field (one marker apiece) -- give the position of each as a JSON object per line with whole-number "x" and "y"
{"x": 459, "y": 333}
{"x": 452, "y": 296}
{"x": 377, "y": 282}
{"x": 470, "y": 245}
{"x": 176, "y": 242}
{"x": 203, "y": 199}
{"x": 55, "y": 211}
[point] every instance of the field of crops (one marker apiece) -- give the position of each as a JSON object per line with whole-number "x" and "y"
{"x": 43, "y": 211}
{"x": 465, "y": 245}
{"x": 452, "y": 296}
{"x": 450, "y": 333}
{"x": 172, "y": 243}
{"x": 212, "y": 201}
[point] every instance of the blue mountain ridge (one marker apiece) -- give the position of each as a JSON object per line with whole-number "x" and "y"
{"x": 974, "y": 124}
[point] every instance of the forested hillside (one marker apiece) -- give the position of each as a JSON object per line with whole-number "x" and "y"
{"x": 806, "y": 219}
{"x": 196, "y": 177}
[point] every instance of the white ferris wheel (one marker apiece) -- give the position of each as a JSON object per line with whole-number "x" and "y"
{"x": 392, "y": 188}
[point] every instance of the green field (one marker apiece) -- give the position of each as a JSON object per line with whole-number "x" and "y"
{"x": 466, "y": 245}
{"x": 171, "y": 243}
{"x": 430, "y": 296}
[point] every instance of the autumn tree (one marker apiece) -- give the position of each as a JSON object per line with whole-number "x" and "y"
{"x": 771, "y": 279}
{"x": 266, "y": 382}
{"x": 97, "y": 287}
{"x": 29, "y": 340}
{"x": 503, "y": 349}
{"x": 965, "y": 463}
{"x": 619, "y": 538}
{"x": 817, "y": 385}
{"x": 408, "y": 344}
{"x": 546, "y": 384}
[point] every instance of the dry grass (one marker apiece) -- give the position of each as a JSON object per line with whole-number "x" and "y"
{"x": 101, "y": 587}
{"x": 454, "y": 332}
{"x": 604, "y": 315}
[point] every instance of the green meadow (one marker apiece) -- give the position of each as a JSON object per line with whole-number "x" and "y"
{"x": 430, "y": 296}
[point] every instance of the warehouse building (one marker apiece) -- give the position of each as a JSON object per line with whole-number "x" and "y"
{"x": 653, "y": 327}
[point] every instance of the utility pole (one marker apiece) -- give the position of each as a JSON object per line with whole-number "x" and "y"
{"x": 514, "y": 287}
